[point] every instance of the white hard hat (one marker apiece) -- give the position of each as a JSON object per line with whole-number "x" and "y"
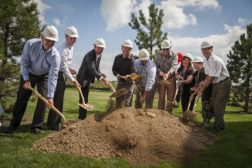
{"x": 206, "y": 44}
{"x": 166, "y": 44}
{"x": 144, "y": 54}
{"x": 187, "y": 55}
{"x": 51, "y": 33}
{"x": 127, "y": 43}
{"x": 100, "y": 43}
{"x": 72, "y": 32}
{"x": 197, "y": 59}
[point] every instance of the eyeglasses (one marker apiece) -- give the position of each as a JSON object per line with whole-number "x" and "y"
{"x": 166, "y": 49}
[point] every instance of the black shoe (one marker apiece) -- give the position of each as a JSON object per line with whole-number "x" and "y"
{"x": 36, "y": 131}
{"x": 56, "y": 128}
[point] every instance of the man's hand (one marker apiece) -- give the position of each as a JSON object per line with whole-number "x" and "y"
{"x": 27, "y": 85}
{"x": 76, "y": 84}
{"x": 104, "y": 80}
{"x": 50, "y": 103}
{"x": 161, "y": 74}
{"x": 103, "y": 75}
{"x": 72, "y": 71}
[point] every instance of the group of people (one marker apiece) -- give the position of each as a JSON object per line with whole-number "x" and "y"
{"x": 47, "y": 67}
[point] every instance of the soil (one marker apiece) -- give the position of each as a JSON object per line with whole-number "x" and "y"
{"x": 142, "y": 137}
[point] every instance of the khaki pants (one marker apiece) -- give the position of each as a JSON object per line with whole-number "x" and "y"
{"x": 219, "y": 99}
{"x": 167, "y": 90}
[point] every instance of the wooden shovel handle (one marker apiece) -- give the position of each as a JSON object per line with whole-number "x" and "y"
{"x": 111, "y": 87}
{"x": 45, "y": 101}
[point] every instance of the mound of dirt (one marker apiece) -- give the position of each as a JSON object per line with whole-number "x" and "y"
{"x": 137, "y": 135}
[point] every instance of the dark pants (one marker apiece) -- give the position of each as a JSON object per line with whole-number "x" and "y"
{"x": 23, "y": 96}
{"x": 185, "y": 97}
{"x": 125, "y": 100}
{"x": 149, "y": 98}
{"x": 219, "y": 99}
{"x": 85, "y": 92}
{"x": 54, "y": 119}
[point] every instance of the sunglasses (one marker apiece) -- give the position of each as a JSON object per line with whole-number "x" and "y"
{"x": 166, "y": 49}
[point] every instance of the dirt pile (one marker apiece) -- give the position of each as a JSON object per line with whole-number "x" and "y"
{"x": 137, "y": 135}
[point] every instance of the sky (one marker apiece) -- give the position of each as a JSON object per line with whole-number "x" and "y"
{"x": 187, "y": 22}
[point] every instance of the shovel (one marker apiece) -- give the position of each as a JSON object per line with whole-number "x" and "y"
{"x": 117, "y": 93}
{"x": 53, "y": 108}
{"x": 86, "y": 106}
{"x": 189, "y": 115}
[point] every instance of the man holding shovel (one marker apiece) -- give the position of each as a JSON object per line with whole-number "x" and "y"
{"x": 166, "y": 62}
{"x": 218, "y": 75}
{"x": 89, "y": 70}
{"x": 147, "y": 69}
{"x": 124, "y": 65}
{"x": 66, "y": 54}
{"x": 39, "y": 64}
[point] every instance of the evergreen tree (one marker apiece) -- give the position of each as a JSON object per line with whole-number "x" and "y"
{"x": 149, "y": 32}
{"x": 240, "y": 68}
{"x": 19, "y": 22}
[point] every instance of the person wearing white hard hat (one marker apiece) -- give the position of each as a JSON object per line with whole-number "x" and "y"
{"x": 123, "y": 65}
{"x": 166, "y": 62}
{"x": 146, "y": 68}
{"x": 185, "y": 77}
{"x": 218, "y": 75}
{"x": 40, "y": 62}
{"x": 89, "y": 70}
{"x": 66, "y": 52}
{"x": 198, "y": 77}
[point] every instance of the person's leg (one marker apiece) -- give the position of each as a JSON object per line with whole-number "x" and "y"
{"x": 120, "y": 100}
{"x": 20, "y": 105}
{"x": 83, "y": 112}
{"x": 161, "y": 96}
{"x": 220, "y": 95}
{"x": 39, "y": 114}
{"x": 54, "y": 119}
{"x": 171, "y": 89}
{"x": 137, "y": 100}
{"x": 150, "y": 98}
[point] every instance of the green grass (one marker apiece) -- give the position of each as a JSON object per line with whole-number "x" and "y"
{"x": 233, "y": 149}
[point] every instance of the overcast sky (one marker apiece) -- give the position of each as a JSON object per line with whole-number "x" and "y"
{"x": 187, "y": 22}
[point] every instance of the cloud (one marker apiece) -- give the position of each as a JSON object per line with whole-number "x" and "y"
{"x": 116, "y": 13}
{"x": 41, "y": 8}
{"x": 175, "y": 16}
{"x": 57, "y": 22}
{"x": 222, "y": 42}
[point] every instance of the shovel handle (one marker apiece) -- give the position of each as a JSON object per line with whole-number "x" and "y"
{"x": 45, "y": 101}
{"x": 81, "y": 94}
{"x": 111, "y": 87}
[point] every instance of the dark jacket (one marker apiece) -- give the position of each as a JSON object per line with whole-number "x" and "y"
{"x": 89, "y": 69}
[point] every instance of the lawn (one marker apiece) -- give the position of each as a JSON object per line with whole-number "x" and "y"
{"x": 233, "y": 149}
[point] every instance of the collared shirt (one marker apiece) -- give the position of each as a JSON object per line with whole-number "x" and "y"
{"x": 215, "y": 67}
{"x": 148, "y": 72}
{"x": 37, "y": 61}
{"x": 66, "y": 56}
{"x": 166, "y": 63}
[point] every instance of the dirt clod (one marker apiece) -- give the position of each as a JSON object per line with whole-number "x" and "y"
{"x": 132, "y": 134}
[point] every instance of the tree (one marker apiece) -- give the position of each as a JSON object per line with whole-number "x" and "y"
{"x": 149, "y": 32}
{"x": 19, "y": 22}
{"x": 240, "y": 69}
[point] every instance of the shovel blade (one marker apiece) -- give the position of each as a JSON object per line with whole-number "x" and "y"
{"x": 88, "y": 107}
{"x": 119, "y": 93}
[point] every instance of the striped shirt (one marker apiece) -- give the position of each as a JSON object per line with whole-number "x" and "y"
{"x": 148, "y": 72}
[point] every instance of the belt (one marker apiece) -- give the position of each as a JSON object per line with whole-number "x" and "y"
{"x": 222, "y": 80}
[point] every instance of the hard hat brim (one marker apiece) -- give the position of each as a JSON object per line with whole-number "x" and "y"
{"x": 51, "y": 38}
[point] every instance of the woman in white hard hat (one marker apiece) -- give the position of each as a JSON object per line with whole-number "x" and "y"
{"x": 218, "y": 75}
{"x": 146, "y": 68}
{"x": 123, "y": 65}
{"x": 166, "y": 62}
{"x": 198, "y": 77}
{"x": 185, "y": 77}
{"x": 89, "y": 70}
{"x": 66, "y": 52}
{"x": 40, "y": 62}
